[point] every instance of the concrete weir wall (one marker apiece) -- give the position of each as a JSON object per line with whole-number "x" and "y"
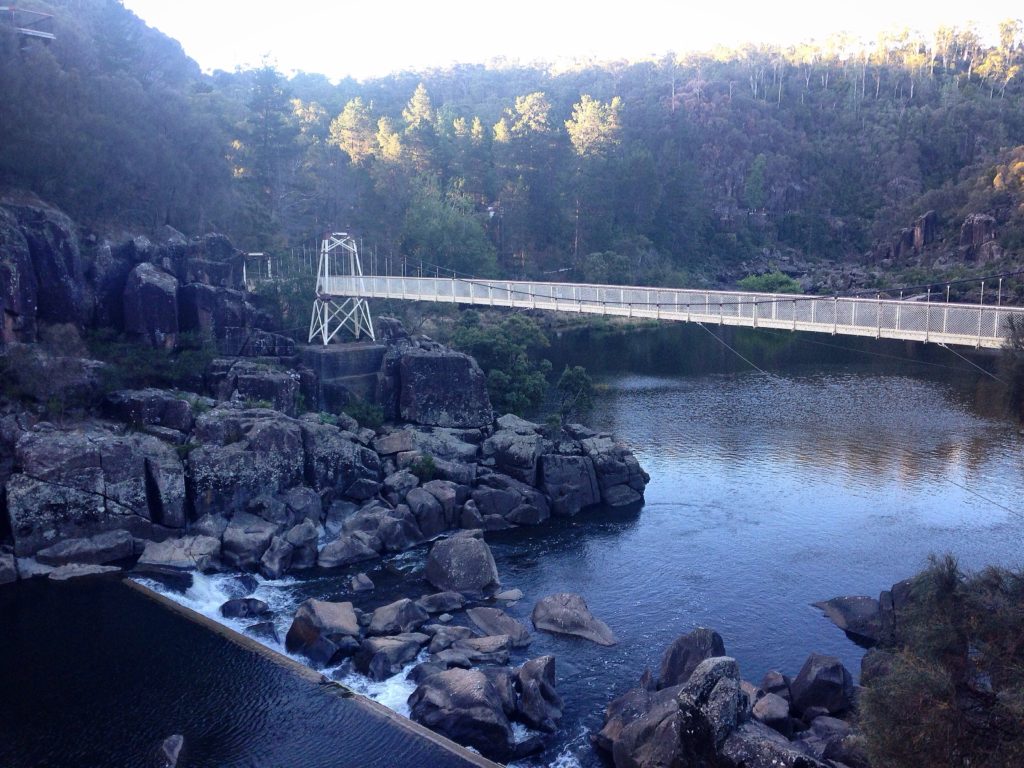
{"x": 343, "y": 371}
{"x": 434, "y": 750}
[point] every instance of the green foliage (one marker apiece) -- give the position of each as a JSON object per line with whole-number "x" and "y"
{"x": 442, "y": 229}
{"x": 770, "y": 282}
{"x": 952, "y": 693}
{"x": 328, "y": 418}
{"x": 506, "y": 352}
{"x": 424, "y": 468}
{"x": 575, "y": 393}
{"x": 135, "y": 365}
{"x": 367, "y": 414}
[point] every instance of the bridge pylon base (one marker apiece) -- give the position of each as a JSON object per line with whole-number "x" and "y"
{"x": 330, "y": 316}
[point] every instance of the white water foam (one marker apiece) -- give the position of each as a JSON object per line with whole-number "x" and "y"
{"x": 393, "y": 693}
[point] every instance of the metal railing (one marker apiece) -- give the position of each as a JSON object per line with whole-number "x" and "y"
{"x": 945, "y": 323}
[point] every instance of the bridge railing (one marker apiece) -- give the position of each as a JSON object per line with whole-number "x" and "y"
{"x": 950, "y": 323}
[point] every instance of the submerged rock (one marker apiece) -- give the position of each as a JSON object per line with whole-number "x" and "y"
{"x": 78, "y": 570}
{"x": 567, "y": 614}
{"x": 858, "y": 616}
{"x": 243, "y": 608}
{"x": 381, "y": 657}
{"x": 169, "y": 751}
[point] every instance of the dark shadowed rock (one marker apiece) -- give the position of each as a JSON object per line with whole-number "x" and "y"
{"x": 244, "y": 454}
{"x": 515, "y": 454}
{"x": 493, "y": 621}
{"x": 243, "y": 608}
{"x": 755, "y": 745}
{"x": 150, "y": 406}
{"x": 201, "y": 553}
{"x": 245, "y": 540}
{"x": 323, "y": 631}
{"x": 381, "y": 657}
{"x": 686, "y": 652}
{"x": 345, "y": 550}
{"x": 567, "y": 614}
{"x": 151, "y": 306}
{"x": 570, "y": 482}
{"x": 858, "y": 616}
{"x": 539, "y": 704}
{"x": 428, "y": 511}
{"x": 19, "y": 289}
{"x": 773, "y": 710}
{"x": 8, "y": 568}
{"x": 98, "y": 549}
{"x": 823, "y": 682}
{"x": 492, "y": 649}
{"x": 463, "y": 705}
{"x": 264, "y": 630}
{"x": 303, "y": 540}
{"x": 441, "y": 602}
{"x": 446, "y": 637}
{"x": 777, "y": 683}
{"x": 78, "y": 484}
{"x": 462, "y": 563}
{"x": 277, "y": 559}
{"x": 397, "y": 617}
{"x": 443, "y": 389}
{"x": 336, "y": 459}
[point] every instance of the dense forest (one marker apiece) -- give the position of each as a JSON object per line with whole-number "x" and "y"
{"x": 686, "y": 170}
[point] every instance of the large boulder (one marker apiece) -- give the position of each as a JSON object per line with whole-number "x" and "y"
{"x": 570, "y": 482}
{"x": 397, "y": 617}
{"x": 336, "y": 460}
{"x": 324, "y": 632}
{"x": 94, "y": 550}
{"x": 755, "y": 745}
{"x": 150, "y": 407}
{"x": 77, "y": 484}
{"x": 567, "y": 614}
{"x": 539, "y": 704}
{"x": 346, "y": 550}
{"x": 858, "y": 616}
{"x": 200, "y": 553}
{"x": 390, "y": 530}
{"x": 381, "y": 657}
{"x": 57, "y": 263}
{"x": 442, "y": 389}
{"x": 619, "y": 475}
{"x": 243, "y": 454}
{"x": 494, "y": 621}
{"x": 303, "y": 540}
{"x": 245, "y": 541}
{"x": 276, "y": 559}
{"x": 515, "y": 454}
{"x": 151, "y": 306}
{"x": 429, "y": 513}
{"x": 254, "y": 382}
{"x": 685, "y": 653}
{"x": 462, "y": 563}
{"x": 464, "y": 705}
{"x": 823, "y": 682}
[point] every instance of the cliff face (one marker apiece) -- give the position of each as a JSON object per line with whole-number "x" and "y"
{"x": 53, "y": 271}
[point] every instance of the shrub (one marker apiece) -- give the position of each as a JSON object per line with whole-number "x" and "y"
{"x": 424, "y": 468}
{"x": 953, "y": 693}
{"x": 366, "y": 413}
{"x": 770, "y": 282}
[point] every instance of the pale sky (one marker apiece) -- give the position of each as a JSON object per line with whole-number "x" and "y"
{"x": 370, "y": 39}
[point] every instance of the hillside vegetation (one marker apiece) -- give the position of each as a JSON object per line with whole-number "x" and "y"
{"x": 702, "y": 168}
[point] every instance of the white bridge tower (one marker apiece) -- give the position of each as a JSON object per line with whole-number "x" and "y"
{"x": 338, "y": 257}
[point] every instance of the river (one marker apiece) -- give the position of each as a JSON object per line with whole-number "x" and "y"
{"x": 827, "y": 472}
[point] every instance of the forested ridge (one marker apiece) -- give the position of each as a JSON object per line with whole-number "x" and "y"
{"x": 819, "y": 159}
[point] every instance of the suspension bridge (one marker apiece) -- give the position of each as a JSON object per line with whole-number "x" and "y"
{"x": 342, "y": 291}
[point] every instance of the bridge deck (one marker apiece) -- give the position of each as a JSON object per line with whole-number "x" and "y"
{"x": 961, "y": 324}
